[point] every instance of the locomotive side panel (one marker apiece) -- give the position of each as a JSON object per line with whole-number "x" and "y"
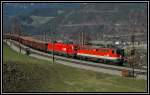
{"x": 102, "y": 54}
{"x": 67, "y": 49}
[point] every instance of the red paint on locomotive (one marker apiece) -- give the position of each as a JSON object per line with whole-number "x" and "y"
{"x": 101, "y": 53}
{"x": 63, "y": 48}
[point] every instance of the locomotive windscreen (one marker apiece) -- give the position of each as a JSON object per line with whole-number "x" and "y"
{"x": 120, "y": 51}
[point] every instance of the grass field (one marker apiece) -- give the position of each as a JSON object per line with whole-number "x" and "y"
{"x": 22, "y": 73}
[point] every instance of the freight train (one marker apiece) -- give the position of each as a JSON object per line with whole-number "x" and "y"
{"x": 102, "y": 55}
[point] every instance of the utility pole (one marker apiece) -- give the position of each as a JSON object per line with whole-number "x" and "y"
{"x": 10, "y": 38}
{"x": 133, "y": 53}
{"x": 18, "y": 32}
{"x": 45, "y": 36}
{"x": 79, "y": 38}
{"x": 53, "y": 47}
{"x": 82, "y": 38}
{"x": 53, "y": 52}
{"x": 12, "y": 31}
{"x": 45, "y": 39}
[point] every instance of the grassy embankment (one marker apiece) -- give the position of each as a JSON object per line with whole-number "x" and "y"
{"x": 22, "y": 73}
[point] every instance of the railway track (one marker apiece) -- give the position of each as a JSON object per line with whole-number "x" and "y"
{"x": 117, "y": 69}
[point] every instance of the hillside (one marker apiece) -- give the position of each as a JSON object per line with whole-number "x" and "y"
{"x": 22, "y": 73}
{"x": 24, "y": 12}
{"x": 98, "y": 21}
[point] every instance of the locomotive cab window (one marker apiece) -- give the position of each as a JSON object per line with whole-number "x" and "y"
{"x": 120, "y": 51}
{"x": 113, "y": 51}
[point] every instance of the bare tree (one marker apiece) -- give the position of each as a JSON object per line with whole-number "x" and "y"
{"x": 135, "y": 27}
{"x": 17, "y": 30}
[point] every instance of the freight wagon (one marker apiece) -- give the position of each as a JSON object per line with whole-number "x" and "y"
{"x": 33, "y": 43}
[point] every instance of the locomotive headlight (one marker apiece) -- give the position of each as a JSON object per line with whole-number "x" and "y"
{"x": 120, "y": 56}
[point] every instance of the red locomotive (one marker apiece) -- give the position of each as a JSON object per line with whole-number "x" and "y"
{"x": 105, "y": 55}
{"x": 63, "y": 49}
